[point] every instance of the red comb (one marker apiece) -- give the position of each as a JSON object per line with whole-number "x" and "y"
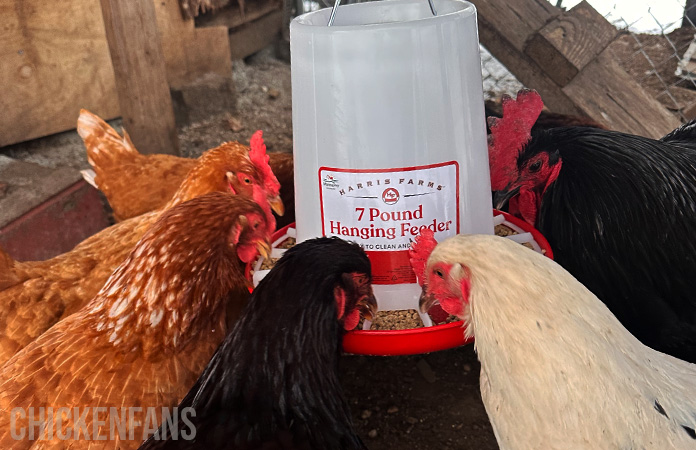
{"x": 510, "y": 133}
{"x": 259, "y": 159}
{"x": 420, "y": 250}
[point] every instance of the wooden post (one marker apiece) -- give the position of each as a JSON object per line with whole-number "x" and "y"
{"x": 141, "y": 78}
{"x": 566, "y": 57}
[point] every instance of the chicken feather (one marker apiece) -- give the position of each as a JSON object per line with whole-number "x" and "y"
{"x": 134, "y": 183}
{"x": 558, "y": 370}
{"x": 143, "y": 350}
{"x": 276, "y": 387}
{"x": 616, "y": 209}
{"x": 46, "y": 291}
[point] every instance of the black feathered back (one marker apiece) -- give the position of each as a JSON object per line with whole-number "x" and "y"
{"x": 621, "y": 217}
{"x": 273, "y": 382}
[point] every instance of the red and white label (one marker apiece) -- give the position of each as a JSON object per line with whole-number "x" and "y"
{"x": 383, "y": 210}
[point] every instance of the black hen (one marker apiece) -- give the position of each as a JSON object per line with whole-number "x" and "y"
{"x": 273, "y": 382}
{"x": 619, "y": 212}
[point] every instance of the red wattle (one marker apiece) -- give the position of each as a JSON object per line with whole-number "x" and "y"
{"x": 247, "y": 252}
{"x": 528, "y": 205}
{"x": 352, "y": 319}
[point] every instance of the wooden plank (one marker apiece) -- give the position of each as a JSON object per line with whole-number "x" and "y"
{"x": 191, "y": 52}
{"x": 495, "y": 24}
{"x": 679, "y": 99}
{"x": 231, "y": 17}
{"x": 250, "y": 38}
{"x": 55, "y": 60}
{"x": 570, "y": 42}
{"x": 605, "y": 92}
{"x": 514, "y": 20}
{"x": 141, "y": 78}
{"x": 528, "y": 73}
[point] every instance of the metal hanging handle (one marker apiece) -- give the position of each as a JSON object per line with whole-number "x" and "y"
{"x": 338, "y": 2}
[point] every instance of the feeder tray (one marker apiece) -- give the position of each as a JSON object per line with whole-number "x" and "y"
{"x": 413, "y": 340}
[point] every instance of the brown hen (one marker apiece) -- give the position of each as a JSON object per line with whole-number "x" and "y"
{"x": 40, "y": 293}
{"x": 143, "y": 340}
{"x": 134, "y": 183}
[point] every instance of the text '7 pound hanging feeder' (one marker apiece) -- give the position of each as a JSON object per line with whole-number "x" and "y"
{"x": 389, "y": 131}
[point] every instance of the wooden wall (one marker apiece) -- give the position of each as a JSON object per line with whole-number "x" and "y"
{"x": 55, "y": 60}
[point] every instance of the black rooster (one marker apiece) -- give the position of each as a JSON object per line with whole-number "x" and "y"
{"x": 618, "y": 210}
{"x": 273, "y": 382}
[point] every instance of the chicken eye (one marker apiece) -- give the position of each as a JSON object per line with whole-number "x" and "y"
{"x": 247, "y": 180}
{"x": 535, "y": 166}
{"x": 439, "y": 273}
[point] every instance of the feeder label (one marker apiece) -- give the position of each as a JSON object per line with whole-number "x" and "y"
{"x": 383, "y": 210}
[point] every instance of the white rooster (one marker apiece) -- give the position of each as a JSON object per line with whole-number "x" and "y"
{"x": 558, "y": 370}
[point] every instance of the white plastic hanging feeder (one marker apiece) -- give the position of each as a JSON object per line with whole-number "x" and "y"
{"x": 389, "y": 131}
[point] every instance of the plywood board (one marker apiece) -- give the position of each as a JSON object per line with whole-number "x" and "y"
{"x": 55, "y": 60}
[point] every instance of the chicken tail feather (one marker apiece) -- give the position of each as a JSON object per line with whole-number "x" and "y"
{"x": 88, "y": 175}
{"x": 104, "y": 145}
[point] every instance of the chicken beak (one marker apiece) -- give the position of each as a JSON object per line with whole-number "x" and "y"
{"x": 277, "y": 205}
{"x": 426, "y": 301}
{"x": 502, "y": 197}
{"x": 368, "y": 306}
{"x": 264, "y": 248}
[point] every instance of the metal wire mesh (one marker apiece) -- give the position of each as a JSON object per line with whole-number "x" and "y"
{"x": 655, "y": 45}
{"x": 497, "y": 79}
{"x": 658, "y": 52}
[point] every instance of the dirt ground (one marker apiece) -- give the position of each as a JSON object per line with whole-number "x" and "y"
{"x": 429, "y": 401}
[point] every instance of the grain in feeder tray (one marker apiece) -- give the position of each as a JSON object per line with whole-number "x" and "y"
{"x": 400, "y": 319}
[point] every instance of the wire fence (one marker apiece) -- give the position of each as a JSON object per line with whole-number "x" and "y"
{"x": 497, "y": 79}
{"x": 653, "y": 46}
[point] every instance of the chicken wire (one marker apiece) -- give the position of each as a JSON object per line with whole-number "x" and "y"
{"x": 497, "y": 79}
{"x": 655, "y": 47}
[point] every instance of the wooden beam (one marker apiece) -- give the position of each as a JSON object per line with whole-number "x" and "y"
{"x": 515, "y": 20}
{"x": 608, "y": 94}
{"x": 252, "y": 37}
{"x": 548, "y": 52}
{"x": 504, "y": 28}
{"x": 141, "y": 79}
{"x": 190, "y": 52}
{"x": 54, "y": 61}
{"x": 570, "y": 42}
{"x": 231, "y": 16}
